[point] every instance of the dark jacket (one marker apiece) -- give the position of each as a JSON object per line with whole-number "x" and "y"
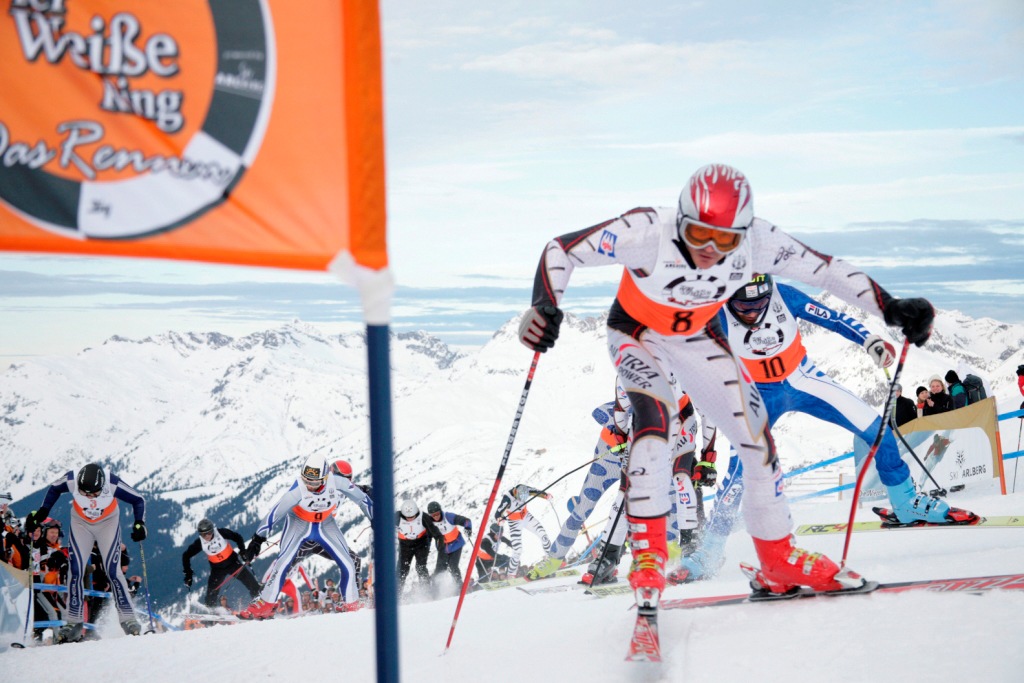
{"x": 906, "y": 410}
{"x": 942, "y": 404}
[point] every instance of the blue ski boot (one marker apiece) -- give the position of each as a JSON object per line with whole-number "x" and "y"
{"x": 702, "y": 564}
{"x": 911, "y": 507}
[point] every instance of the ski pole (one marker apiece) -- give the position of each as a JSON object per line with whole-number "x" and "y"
{"x": 938, "y": 486}
{"x": 874, "y": 448}
{"x": 611, "y": 533}
{"x": 553, "y": 510}
{"x": 1013, "y": 489}
{"x": 494, "y": 492}
{"x": 145, "y": 585}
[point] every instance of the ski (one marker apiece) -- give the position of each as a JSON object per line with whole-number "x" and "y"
{"x": 976, "y": 584}
{"x": 1009, "y": 521}
{"x": 605, "y": 589}
{"x": 645, "y": 646}
{"x": 201, "y": 616}
{"x": 520, "y": 580}
{"x": 601, "y": 591}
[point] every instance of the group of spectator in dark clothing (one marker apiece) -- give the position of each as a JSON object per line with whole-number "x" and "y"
{"x": 938, "y": 397}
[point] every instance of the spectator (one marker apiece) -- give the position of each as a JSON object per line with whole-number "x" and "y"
{"x": 957, "y": 393}
{"x": 906, "y": 410}
{"x": 938, "y": 400}
{"x": 1020, "y": 383}
{"x": 13, "y": 548}
{"x": 922, "y": 396}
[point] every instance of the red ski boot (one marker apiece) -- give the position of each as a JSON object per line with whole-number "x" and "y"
{"x": 784, "y": 568}
{"x": 650, "y": 550}
{"x": 258, "y": 609}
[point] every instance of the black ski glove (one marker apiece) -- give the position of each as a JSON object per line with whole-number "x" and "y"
{"x": 539, "y": 328}
{"x": 914, "y": 316}
{"x": 35, "y": 518}
{"x": 188, "y": 579}
{"x": 139, "y": 531}
{"x": 254, "y": 547}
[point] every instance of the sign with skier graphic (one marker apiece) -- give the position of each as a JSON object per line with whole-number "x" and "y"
{"x": 240, "y": 132}
{"x": 957, "y": 448}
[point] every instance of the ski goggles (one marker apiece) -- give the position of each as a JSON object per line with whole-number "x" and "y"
{"x": 749, "y": 307}
{"x": 699, "y": 235}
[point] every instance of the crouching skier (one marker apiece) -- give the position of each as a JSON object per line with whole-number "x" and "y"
{"x": 95, "y": 519}
{"x": 308, "y": 508}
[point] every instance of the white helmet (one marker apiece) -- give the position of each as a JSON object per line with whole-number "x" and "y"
{"x": 409, "y": 509}
{"x": 314, "y": 472}
{"x": 717, "y": 196}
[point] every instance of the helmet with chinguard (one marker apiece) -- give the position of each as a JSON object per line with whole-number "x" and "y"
{"x": 91, "y": 479}
{"x": 314, "y": 472}
{"x": 749, "y": 303}
{"x": 715, "y": 207}
{"x": 409, "y": 509}
{"x": 205, "y": 527}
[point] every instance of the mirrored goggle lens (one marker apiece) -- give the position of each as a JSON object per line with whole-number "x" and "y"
{"x": 699, "y": 236}
{"x": 749, "y": 306}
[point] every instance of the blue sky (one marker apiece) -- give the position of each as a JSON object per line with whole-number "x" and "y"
{"x": 890, "y": 136}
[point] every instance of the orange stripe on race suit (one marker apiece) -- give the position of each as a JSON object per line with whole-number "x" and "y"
{"x": 778, "y": 367}
{"x": 310, "y": 516}
{"x": 221, "y": 556}
{"x": 111, "y": 509}
{"x": 412, "y": 538}
{"x": 451, "y": 535}
{"x": 515, "y": 516}
{"x": 663, "y": 319}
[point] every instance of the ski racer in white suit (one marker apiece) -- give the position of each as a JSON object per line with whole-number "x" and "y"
{"x": 307, "y": 508}
{"x": 512, "y": 509}
{"x": 680, "y": 266}
{"x": 95, "y": 518}
{"x": 761, "y": 320}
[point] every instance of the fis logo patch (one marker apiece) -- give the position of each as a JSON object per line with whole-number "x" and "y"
{"x": 779, "y": 487}
{"x": 607, "y": 244}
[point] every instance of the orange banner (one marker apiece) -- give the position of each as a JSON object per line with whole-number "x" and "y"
{"x": 230, "y": 131}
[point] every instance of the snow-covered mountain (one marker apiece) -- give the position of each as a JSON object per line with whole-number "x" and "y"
{"x": 210, "y": 425}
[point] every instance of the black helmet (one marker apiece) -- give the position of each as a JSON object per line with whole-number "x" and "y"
{"x": 433, "y": 507}
{"x": 205, "y": 526}
{"x": 51, "y": 523}
{"x": 750, "y": 302}
{"x": 91, "y": 479}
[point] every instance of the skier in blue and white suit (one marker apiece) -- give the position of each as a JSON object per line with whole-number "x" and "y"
{"x": 307, "y": 508}
{"x": 610, "y": 454}
{"x": 95, "y": 518}
{"x": 761, "y": 320}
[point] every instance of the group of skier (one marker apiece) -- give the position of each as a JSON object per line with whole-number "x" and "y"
{"x": 698, "y": 307}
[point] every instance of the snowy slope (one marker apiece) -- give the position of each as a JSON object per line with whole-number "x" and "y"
{"x": 214, "y": 425}
{"x": 511, "y": 636}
